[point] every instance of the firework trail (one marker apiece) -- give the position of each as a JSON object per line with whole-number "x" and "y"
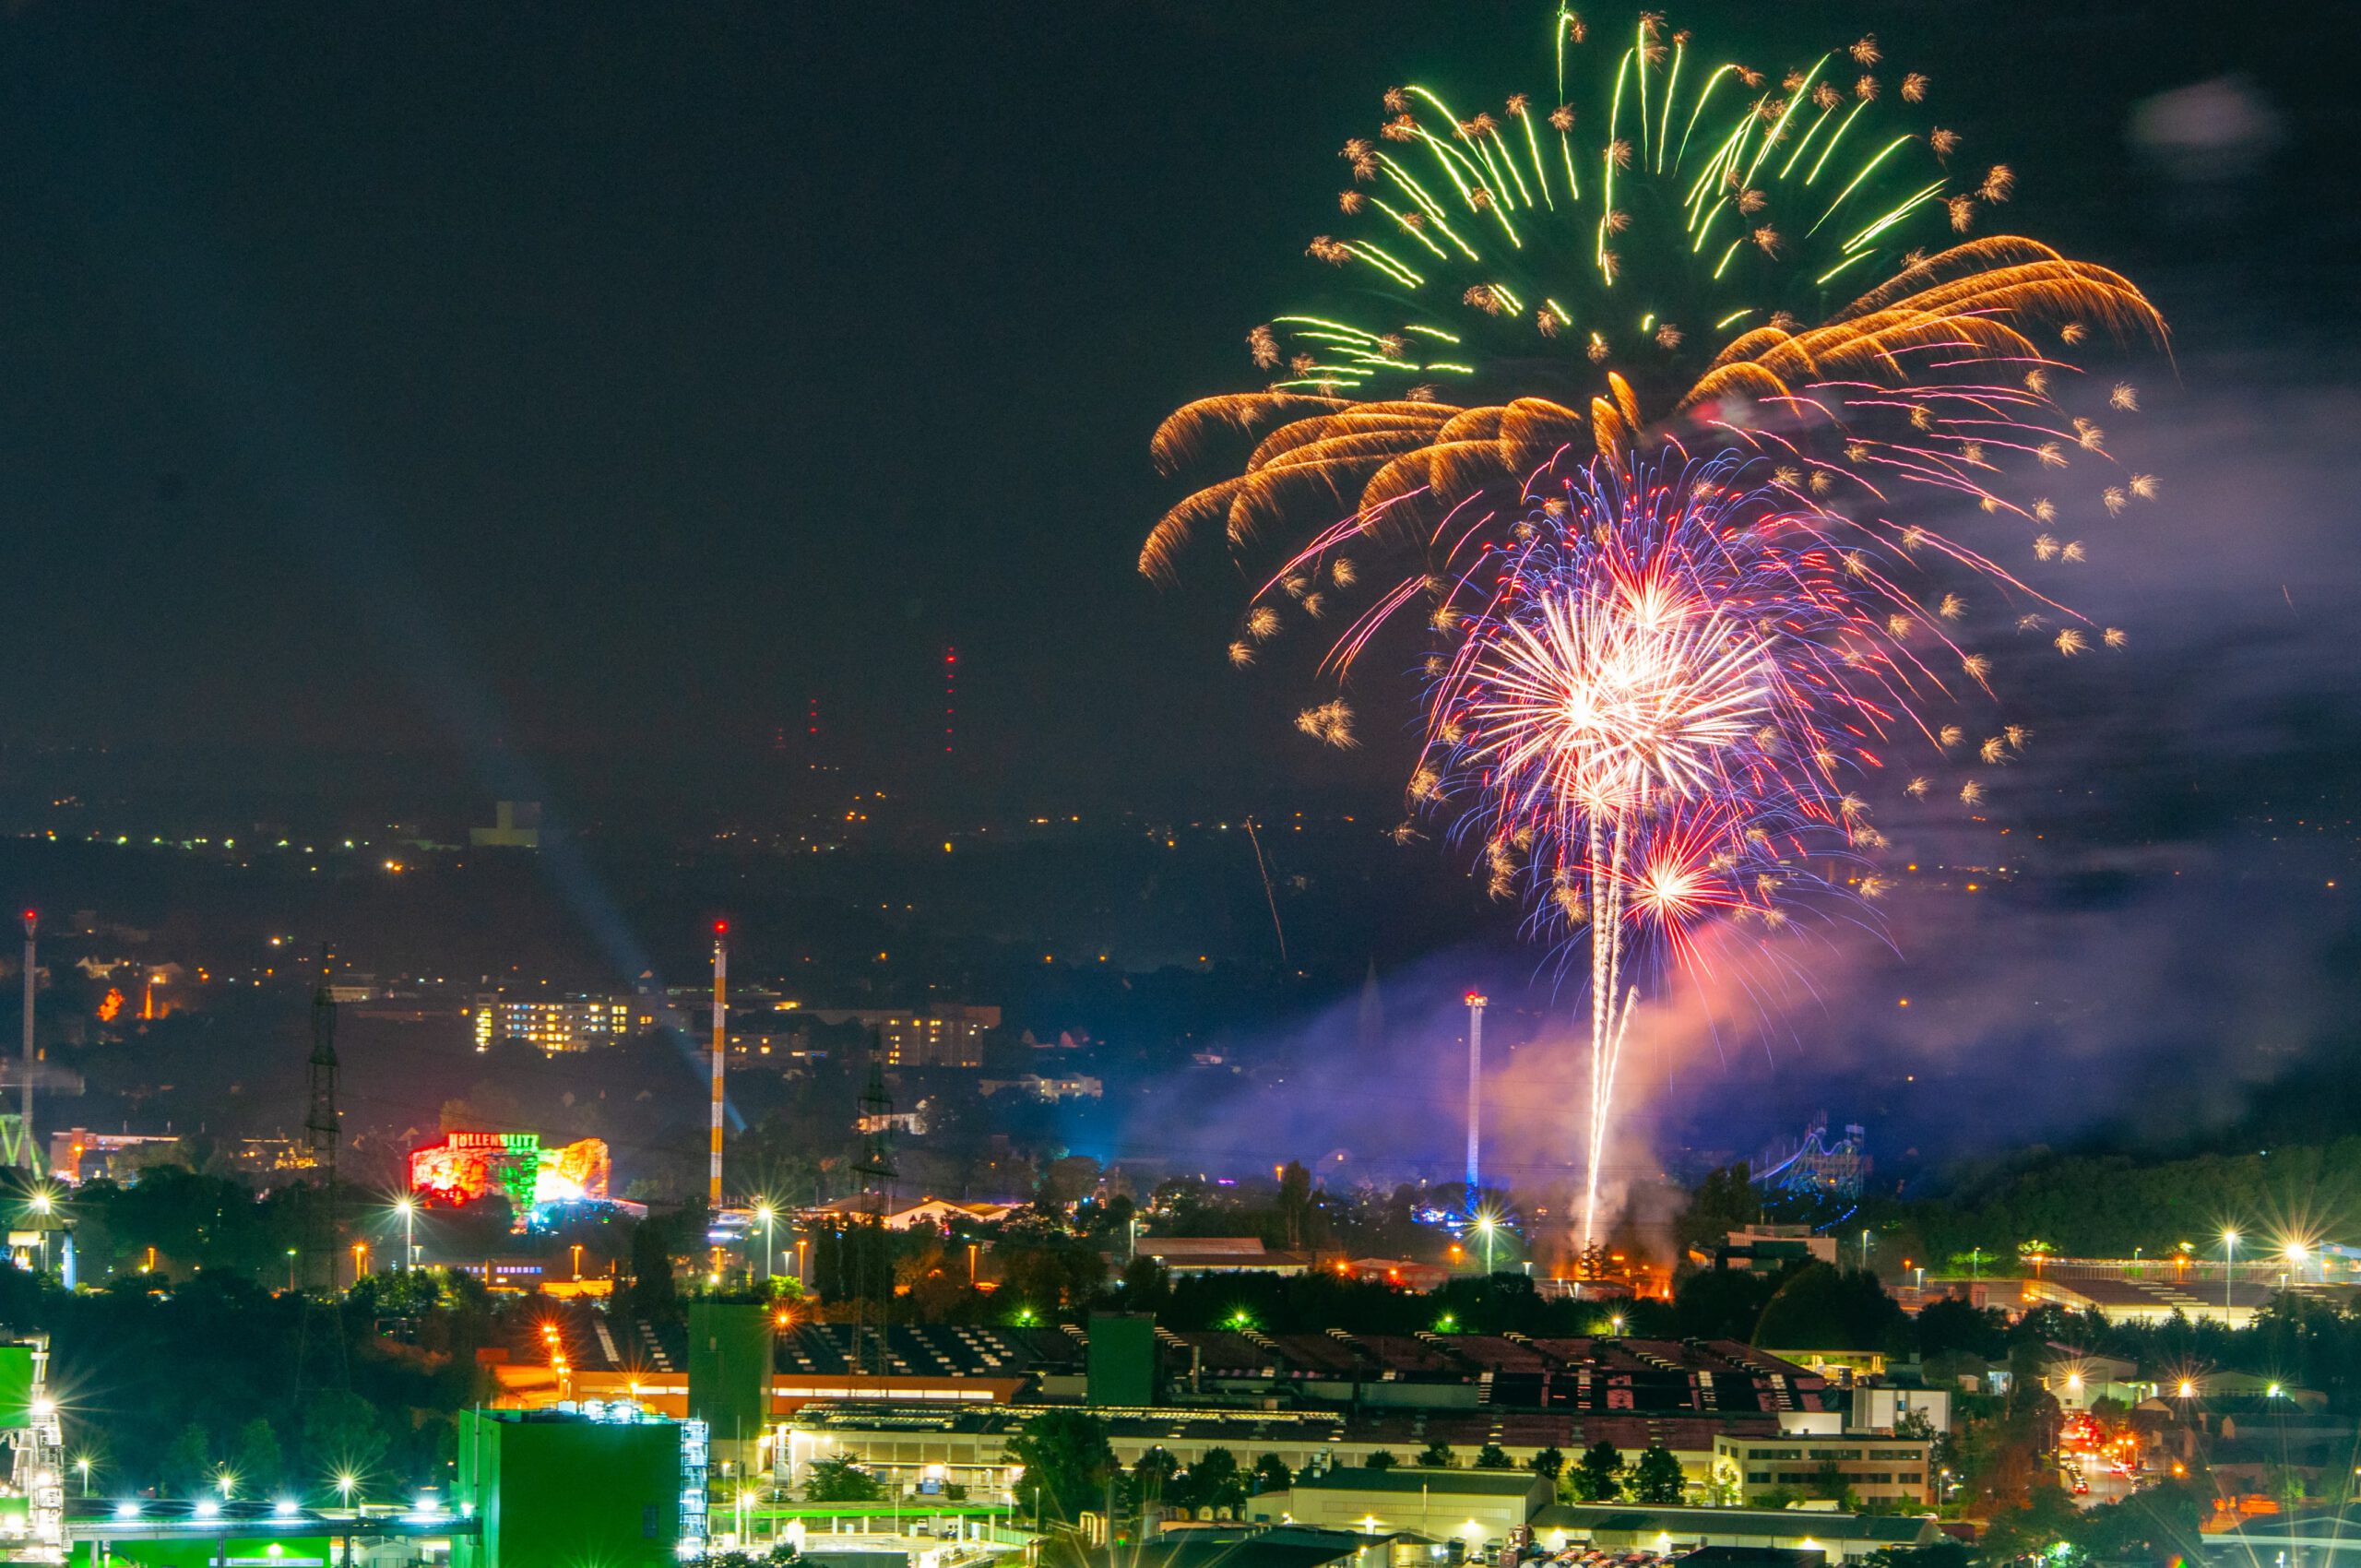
{"x": 1654, "y": 679}
{"x": 1263, "y": 869}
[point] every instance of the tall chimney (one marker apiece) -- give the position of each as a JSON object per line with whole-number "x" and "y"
{"x": 720, "y": 1048}
{"x": 1475, "y": 1000}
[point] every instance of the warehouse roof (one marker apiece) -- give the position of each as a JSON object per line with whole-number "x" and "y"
{"x": 1701, "y": 1524}
{"x": 1464, "y": 1483}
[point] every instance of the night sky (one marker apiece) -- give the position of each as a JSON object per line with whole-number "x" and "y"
{"x": 584, "y": 390}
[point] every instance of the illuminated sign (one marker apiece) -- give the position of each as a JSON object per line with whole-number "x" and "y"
{"x": 466, "y": 1167}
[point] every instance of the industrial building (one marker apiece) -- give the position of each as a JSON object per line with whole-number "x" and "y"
{"x": 1184, "y": 1256}
{"x": 1473, "y": 1506}
{"x": 615, "y": 1484}
{"x": 1625, "y": 1526}
{"x": 937, "y": 1404}
{"x": 1525, "y": 1393}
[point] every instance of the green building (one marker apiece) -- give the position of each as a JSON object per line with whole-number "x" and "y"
{"x": 611, "y": 1484}
{"x": 242, "y": 1551}
{"x": 1122, "y": 1359}
{"x": 18, "y": 1379}
{"x": 730, "y": 1376}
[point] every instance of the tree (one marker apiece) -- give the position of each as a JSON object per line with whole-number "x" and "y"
{"x": 1951, "y": 1324}
{"x": 1146, "y": 1287}
{"x": 1067, "y": 1461}
{"x": 1724, "y": 1200}
{"x": 1549, "y": 1464}
{"x": 1066, "y": 1182}
{"x": 1657, "y": 1476}
{"x": 257, "y": 1461}
{"x": 1437, "y": 1455}
{"x": 652, "y": 1292}
{"x": 188, "y": 1467}
{"x": 1149, "y": 1481}
{"x": 1382, "y": 1459}
{"x": 1050, "y": 1271}
{"x": 1492, "y": 1456}
{"x": 1271, "y": 1474}
{"x": 1295, "y": 1203}
{"x": 1721, "y": 1304}
{"x": 2044, "y": 1519}
{"x": 1944, "y": 1553}
{"x": 1828, "y": 1484}
{"x": 840, "y": 1479}
{"x": 1598, "y": 1475}
{"x": 1215, "y": 1480}
{"x": 342, "y": 1436}
{"x": 1820, "y": 1308}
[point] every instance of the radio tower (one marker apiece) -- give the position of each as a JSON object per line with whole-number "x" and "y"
{"x": 1475, "y": 1000}
{"x": 320, "y": 1126}
{"x": 721, "y": 1048}
{"x": 875, "y": 1171}
{"x": 320, "y": 1327}
{"x": 32, "y": 1160}
{"x": 950, "y": 695}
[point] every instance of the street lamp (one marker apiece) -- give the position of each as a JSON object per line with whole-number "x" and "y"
{"x": 291, "y": 1271}
{"x": 345, "y": 1482}
{"x": 1485, "y": 1225}
{"x": 82, "y": 1463}
{"x": 2229, "y": 1267}
{"x": 764, "y": 1212}
{"x": 407, "y": 1208}
{"x": 42, "y": 1203}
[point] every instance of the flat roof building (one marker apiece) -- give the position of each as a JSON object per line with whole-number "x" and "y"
{"x": 571, "y": 1023}
{"x": 948, "y": 1034}
{"x": 613, "y": 1484}
{"x": 1475, "y": 1506}
{"x": 1748, "y": 1468}
{"x": 1623, "y": 1526}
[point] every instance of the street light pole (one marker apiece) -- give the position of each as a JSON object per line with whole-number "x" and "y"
{"x": 2229, "y": 1267}
{"x": 42, "y": 1203}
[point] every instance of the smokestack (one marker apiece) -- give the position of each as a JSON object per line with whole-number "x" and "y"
{"x": 721, "y": 1046}
{"x": 33, "y": 1160}
{"x": 1475, "y": 1084}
